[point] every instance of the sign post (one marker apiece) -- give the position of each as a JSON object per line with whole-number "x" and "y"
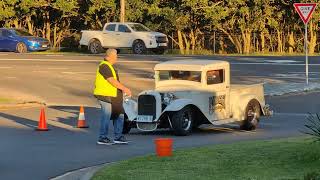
{"x": 305, "y": 11}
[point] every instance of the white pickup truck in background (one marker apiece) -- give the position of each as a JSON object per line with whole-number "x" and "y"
{"x": 124, "y": 35}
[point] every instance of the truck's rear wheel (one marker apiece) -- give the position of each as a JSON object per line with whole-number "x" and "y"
{"x": 95, "y": 47}
{"x": 138, "y": 47}
{"x": 182, "y": 122}
{"x": 252, "y": 116}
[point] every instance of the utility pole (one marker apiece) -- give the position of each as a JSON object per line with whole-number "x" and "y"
{"x": 122, "y": 10}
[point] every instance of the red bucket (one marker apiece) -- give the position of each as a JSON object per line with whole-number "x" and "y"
{"x": 163, "y": 147}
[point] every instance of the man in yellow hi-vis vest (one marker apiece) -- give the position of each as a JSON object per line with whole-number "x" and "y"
{"x": 108, "y": 90}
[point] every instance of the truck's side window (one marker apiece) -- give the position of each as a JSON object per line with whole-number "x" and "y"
{"x": 111, "y": 27}
{"x": 123, "y": 28}
{"x": 215, "y": 76}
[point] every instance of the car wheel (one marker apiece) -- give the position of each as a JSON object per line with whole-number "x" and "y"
{"x": 252, "y": 116}
{"x": 158, "y": 51}
{"x": 127, "y": 125}
{"x": 21, "y": 48}
{"x": 138, "y": 47}
{"x": 95, "y": 47}
{"x": 182, "y": 122}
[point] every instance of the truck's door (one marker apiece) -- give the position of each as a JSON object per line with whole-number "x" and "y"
{"x": 124, "y": 36}
{"x": 109, "y": 35}
{"x": 218, "y": 85}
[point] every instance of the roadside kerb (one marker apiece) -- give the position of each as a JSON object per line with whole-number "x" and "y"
{"x": 82, "y": 174}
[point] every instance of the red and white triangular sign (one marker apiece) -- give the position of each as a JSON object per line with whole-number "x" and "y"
{"x": 305, "y": 10}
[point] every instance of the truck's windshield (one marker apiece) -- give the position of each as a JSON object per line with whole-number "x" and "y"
{"x": 180, "y": 75}
{"x": 139, "y": 28}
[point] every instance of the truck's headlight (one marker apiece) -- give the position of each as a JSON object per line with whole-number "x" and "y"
{"x": 168, "y": 98}
{"x": 152, "y": 37}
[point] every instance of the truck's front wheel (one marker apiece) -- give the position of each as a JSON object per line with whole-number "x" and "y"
{"x": 252, "y": 116}
{"x": 95, "y": 47}
{"x": 138, "y": 47}
{"x": 182, "y": 122}
{"x": 126, "y": 125}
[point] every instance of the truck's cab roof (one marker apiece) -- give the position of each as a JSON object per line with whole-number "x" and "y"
{"x": 190, "y": 65}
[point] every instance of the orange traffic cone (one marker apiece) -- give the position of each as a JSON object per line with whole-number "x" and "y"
{"x": 42, "y": 125}
{"x": 82, "y": 119}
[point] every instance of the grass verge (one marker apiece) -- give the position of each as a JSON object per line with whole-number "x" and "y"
{"x": 294, "y": 158}
{"x": 6, "y": 100}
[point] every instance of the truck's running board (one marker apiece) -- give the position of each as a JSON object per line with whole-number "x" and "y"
{"x": 224, "y": 121}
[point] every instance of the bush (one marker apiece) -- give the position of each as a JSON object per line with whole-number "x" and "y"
{"x": 313, "y": 126}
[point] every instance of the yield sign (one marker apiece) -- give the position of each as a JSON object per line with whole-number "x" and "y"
{"x": 305, "y": 10}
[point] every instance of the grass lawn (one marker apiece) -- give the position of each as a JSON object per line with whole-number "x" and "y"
{"x": 294, "y": 158}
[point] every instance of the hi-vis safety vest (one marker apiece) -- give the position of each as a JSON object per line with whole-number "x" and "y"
{"x": 102, "y": 86}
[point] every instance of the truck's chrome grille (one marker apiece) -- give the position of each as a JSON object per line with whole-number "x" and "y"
{"x": 147, "y": 105}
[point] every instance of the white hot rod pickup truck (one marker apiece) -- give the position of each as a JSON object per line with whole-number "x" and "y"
{"x": 134, "y": 36}
{"x": 190, "y": 93}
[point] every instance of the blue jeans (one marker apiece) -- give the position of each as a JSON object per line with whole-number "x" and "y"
{"x": 106, "y": 110}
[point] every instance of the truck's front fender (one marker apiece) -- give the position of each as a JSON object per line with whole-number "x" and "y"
{"x": 130, "y": 107}
{"x": 177, "y": 104}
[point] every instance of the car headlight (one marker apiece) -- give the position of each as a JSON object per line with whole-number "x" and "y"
{"x": 33, "y": 42}
{"x": 152, "y": 37}
{"x": 168, "y": 98}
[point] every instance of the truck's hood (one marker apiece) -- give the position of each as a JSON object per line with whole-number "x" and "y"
{"x": 178, "y": 88}
{"x": 152, "y": 33}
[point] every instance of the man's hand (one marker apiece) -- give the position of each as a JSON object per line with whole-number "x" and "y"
{"x": 127, "y": 91}
{"x": 118, "y": 85}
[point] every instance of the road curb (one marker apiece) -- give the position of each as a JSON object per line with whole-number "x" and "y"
{"x": 81, "y": 174}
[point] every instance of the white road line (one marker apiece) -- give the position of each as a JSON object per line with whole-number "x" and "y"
{"x": 133, "y": 61}
{"x": 277, "y": 77}
{"x": 3, "y": 54}
{"x": 5, "y": 67}
{"x": 67, "y": 72}
{"x": 57, "y": 68}
{"x": 40, "y": 71}
{"x": 281, "y": 61}
{"x": 51, "y": 60}
{"x": 75, "y": 60}
{"x": 54, "y": 55}
{"x": 276, "y": 64}
{"x": 133, "y": 73}
{"x": 149, "y": 68}
{"x": 11, "y": 77}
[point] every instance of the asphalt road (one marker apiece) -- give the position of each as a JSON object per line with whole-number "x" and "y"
{"x": 69, "y": 80}
{"x": 63, "y": 81}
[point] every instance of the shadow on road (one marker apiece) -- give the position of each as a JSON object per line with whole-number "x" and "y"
{"x": 20, "y": 120}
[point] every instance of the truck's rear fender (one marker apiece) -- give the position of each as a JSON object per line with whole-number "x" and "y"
{"x": 95, "y": 39}
{"x": 239, "y": 107}
{"x": 88, "y": 36}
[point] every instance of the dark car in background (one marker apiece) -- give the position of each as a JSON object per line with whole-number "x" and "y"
{"x": 20, "y": 41}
